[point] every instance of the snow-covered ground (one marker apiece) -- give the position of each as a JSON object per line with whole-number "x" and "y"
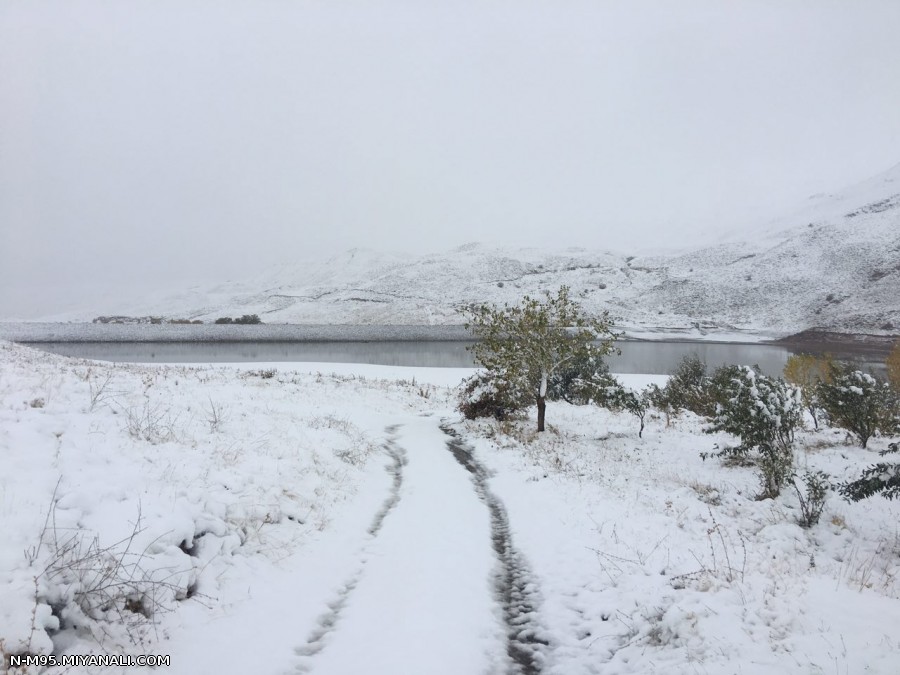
{"x": 650, "y": 560}
{"x": 329, "y": 518}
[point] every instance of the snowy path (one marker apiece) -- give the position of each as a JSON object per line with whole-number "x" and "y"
{"x": 431, "y": 594}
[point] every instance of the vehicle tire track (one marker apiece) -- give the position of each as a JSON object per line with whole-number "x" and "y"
{"x": 318, "y": 637}
{"x": 398, "y": 455}
{"x": 515, "y": 589}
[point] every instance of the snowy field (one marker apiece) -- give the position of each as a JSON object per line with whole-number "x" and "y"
{"x": 341, "y": 519}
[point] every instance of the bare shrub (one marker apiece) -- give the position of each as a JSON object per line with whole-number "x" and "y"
{"x": 708, "y": 494}
{"x": 150, "y": 423}
{"x": 215, "y": 415}
{"x": 100, "y": 392}
{"x": 95, "y": 586}
{"x": 725, "y": 561}
{"x": 360, "y": 445}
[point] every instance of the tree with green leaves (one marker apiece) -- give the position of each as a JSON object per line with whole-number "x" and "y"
{"x": 523, "y": 347}
{"x": 892, "y": 363}
{"x": 808, "y": 372}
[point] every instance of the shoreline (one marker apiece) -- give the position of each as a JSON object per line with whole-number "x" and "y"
{"x": 821, "y": 340}
{"x": 818, "y": 340}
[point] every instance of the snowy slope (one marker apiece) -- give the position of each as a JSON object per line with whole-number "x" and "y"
{"x": 834, "y": 264}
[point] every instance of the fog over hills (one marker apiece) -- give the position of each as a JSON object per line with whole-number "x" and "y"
{"x": 834, "y": 264}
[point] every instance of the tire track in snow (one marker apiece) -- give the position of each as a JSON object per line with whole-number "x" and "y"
{"x": 318, "y": 637}
{"x": 398, "y": 454}
{"x": 515, "y": 590}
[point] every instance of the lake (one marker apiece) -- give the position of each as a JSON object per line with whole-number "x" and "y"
{"x": 638, "y": 356}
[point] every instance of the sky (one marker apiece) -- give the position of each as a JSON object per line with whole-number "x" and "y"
{"x": 154, "y": 144}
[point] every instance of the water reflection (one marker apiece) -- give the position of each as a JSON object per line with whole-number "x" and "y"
{"x": 664, "y": 357}
{"x": 656, "y": 357}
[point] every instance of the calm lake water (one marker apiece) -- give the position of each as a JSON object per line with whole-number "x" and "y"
{"x": 656, "y": 357}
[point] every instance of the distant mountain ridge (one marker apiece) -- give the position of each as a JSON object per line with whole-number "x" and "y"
{"x": 834, "y": 264}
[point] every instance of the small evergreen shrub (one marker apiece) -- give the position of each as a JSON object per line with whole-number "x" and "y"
{"x": 604, "y": 390}
{"x": 762, "y": 412}
{"x": 484, "y": 396}
{"x": 881, "y": 478}
{"x": 720, "y": 384}
{"x": 860, "y": 403}
{"x": 812, "y": 497}
{"x": 635, "y": 402}
{"x": 572, "y": 383}
{"x": 688, "y": 388}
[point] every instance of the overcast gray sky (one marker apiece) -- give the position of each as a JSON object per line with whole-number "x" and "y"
{"x": 150, "y": 143}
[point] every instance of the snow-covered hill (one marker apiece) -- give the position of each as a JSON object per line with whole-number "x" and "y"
{"x": 833, "y": 264}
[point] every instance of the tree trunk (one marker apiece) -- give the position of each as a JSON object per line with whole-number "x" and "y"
{"x": 542, "y": 407}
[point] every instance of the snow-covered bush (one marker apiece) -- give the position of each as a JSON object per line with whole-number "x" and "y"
{"x": 860, "y": 403}
{"x": 567, "y": 383}
{"x": 635, "y": 402}
{"x": 881, "y": 478}
{"x": 606, "y": 391}
{"x": 688, "y": 388}
{"x": 764, "y": 413}
{"x": 484, "y": 396}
